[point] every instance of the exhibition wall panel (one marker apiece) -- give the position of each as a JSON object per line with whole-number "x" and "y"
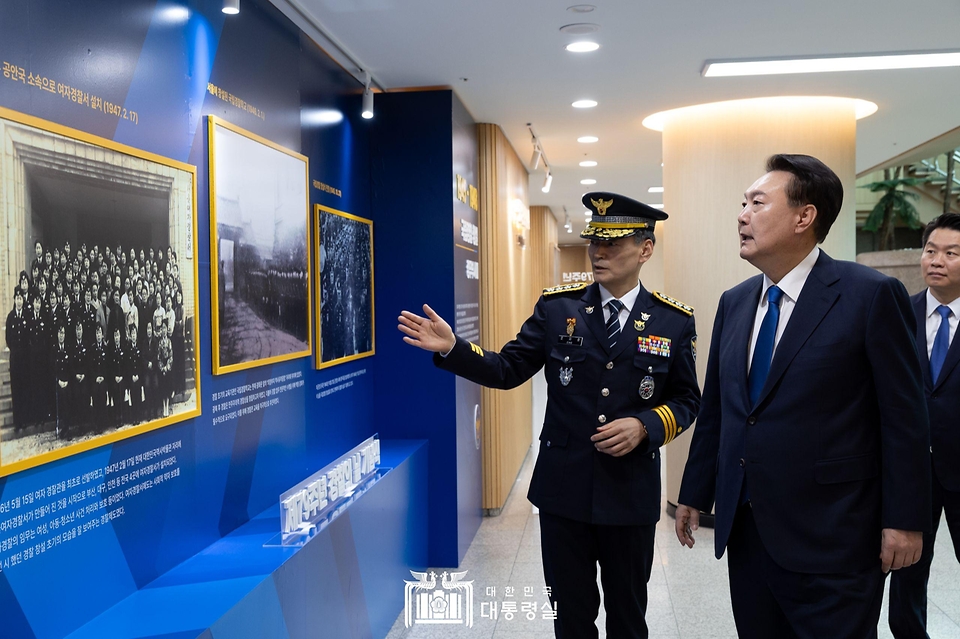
{"x": 147, "y": 75}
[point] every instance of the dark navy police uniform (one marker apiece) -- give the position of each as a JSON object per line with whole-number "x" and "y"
{"x": 596, "y": 508}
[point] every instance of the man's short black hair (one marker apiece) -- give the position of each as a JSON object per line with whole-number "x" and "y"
{"x": 813, "y": 183}
{"x": 946, "y": 221}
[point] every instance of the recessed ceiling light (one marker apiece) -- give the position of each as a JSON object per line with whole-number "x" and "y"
{"x": 580, "y": 28}
{"x": 655, "y": 206}
{"x": 588, "y": 163}
{"x": 588, "y": 139}
{"x": 584, "y": 104}
{"x": 581, "y": 8}
{"x": 582, "y": 47}
{"x": 588, "y": 181}
{"x": 655, "y": 189}
{"x": 822, "y": 64}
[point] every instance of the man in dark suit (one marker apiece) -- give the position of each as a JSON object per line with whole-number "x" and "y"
{"x": 619, "y": 364}
{"x": 812, "y": 439}
{"x": 937, "y": 310}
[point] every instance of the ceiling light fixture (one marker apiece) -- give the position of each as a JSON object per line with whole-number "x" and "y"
{"x": 831, "y": 64}
{"x": 588, "y": 139}
{"x": 588, "y": 163}
{"x": 588, "y": 181}
{"x": 231, "y": 7}
{"x": 584, "y": 104}
{"x": 537, "y": 156}
{"x": 655, "y": 189}
{"x": 655, "y": 206}
{"x": 367, "y": 108}
{"x": 584, "y": 46}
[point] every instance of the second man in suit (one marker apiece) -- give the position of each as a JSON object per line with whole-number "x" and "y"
{"x": 812, "y": 438}
{"x": 936, "y": 309}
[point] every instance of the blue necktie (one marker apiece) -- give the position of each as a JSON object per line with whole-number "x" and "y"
{"x": 941, "y": 343}
{"x": 763, "y": 351}
{"x": 613, "y": 322}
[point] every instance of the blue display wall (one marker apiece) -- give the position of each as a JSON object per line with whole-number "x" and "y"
{"x": 171, "y": 64}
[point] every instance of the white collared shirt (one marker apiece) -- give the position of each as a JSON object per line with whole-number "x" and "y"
{"x": 628, "y": 300}
{"x": 933, "y": 320}
{"x": 791, "y": 285}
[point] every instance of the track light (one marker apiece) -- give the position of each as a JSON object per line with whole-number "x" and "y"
{"x": 535, "y": 158}
{"x": 367, "y": 111}
{"x": 231, "y": 7}
{"x": 547, "y": 182}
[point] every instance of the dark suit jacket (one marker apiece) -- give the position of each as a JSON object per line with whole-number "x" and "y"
{"x": 943, "y": 402}
{"x": 836, "y": 448}
{"x": 572, "y": 479}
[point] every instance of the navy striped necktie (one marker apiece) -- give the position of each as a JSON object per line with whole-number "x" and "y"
{"x": 613, "y": 322}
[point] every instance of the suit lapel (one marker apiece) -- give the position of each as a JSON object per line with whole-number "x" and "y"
{"x": 816, "y": 299}
{"x": 594, "y": 318}
{"x": 742, "y": 318}
{"x": 920, "y": 311}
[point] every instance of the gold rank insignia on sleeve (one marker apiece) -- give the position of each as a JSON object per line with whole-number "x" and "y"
{"x": 476, "y": 349}
{"x": 670, "y": 427}
{"x": 669, "y": 301}
{"x": 565, "y": 288}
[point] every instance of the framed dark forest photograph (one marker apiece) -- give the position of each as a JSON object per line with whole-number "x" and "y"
{"x": 344, "y": 249}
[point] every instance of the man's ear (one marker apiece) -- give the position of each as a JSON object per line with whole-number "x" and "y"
{"x": 806, "y": 218}
{"x": 646, "y": 250}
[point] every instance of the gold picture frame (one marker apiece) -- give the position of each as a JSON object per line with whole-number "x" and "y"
{"x": 345, "y": 287}
{"x": 72, "y": 186}
{"x": 259, "y": 256}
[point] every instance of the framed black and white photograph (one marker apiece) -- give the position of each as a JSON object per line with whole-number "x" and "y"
{"x": 99, "y": 280}
{"x": 259, "y": 221}
{"x": 344, "y": 287}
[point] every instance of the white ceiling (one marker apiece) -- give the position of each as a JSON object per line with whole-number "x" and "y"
{"x": 505, "y": 59}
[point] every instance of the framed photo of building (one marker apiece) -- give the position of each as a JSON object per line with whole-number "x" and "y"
{"x": 99, "y": 283}
{"x": 344, "y": 311}
{"x": 259, "y": 250}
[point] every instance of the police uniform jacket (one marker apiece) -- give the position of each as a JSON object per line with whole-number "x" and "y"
{"x": 943, "y": 401}
{"x": 650, "y": 374}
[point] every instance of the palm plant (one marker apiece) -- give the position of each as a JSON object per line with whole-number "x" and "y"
{"x": 895, "y": 205}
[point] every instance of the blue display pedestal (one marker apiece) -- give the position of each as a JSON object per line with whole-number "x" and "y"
{"x": 347, "y": 581}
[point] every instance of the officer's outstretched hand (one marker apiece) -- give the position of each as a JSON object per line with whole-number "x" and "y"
{"x": 620, "y": 436}
{"x": 430, "y": 333}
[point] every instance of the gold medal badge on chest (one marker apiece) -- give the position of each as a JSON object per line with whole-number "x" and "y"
{"x": 570, "y": 338}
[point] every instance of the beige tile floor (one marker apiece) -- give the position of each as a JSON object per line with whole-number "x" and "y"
{"x": 688, "y": 595}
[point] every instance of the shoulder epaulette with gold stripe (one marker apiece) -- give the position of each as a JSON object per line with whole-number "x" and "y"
{"x": 669, "y": 301}
{"x": 565, "y": 288}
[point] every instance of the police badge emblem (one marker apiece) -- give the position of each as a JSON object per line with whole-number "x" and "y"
{"x": 566, "y": 374}
{"x": 646, "y": 387}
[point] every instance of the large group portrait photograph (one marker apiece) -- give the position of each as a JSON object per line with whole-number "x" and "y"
{"x": 259, "y": 221}
{"x": 99, "y": 279}
{"x": 345, "y": 287}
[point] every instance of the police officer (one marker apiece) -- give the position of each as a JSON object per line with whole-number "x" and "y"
{"x": 17, "y": 337}
{"x": 622, "y": 383}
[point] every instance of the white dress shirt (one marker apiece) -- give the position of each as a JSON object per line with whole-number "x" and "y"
{"x": 628, "y": 300}
{"x": 791, "y": 285}
{"x": 933, "y": 320}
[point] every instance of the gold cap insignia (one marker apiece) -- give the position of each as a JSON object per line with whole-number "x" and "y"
{"x": 571, "y": 325}
{"x": 602, "y": 205}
